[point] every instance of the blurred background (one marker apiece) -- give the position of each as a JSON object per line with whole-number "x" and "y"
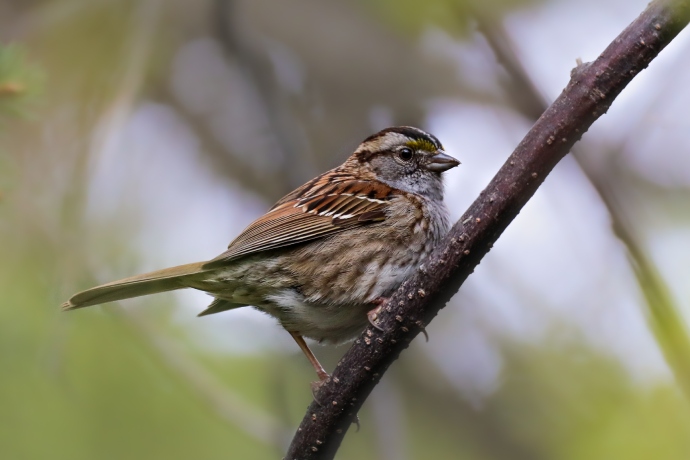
{"x": 137, "y": 134}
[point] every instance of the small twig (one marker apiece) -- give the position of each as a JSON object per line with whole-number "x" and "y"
{"x": 225, "y": 161}
{"x": 591, "y": 91}
{"x": 519, "y": 86}
{"x": 271, "y": 101}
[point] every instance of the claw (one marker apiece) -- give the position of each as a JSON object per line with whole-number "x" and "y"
{"x": 373, "y": 314}
{"x": 426, "y": 336}
{"x": 315, "y": 387}
{"x": 421, "y": 327}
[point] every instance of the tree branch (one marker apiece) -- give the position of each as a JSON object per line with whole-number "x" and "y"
{"x": 589, "y": 94}
{"x": 665, "y": 320}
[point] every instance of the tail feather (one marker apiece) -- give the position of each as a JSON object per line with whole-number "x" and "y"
{"x": 219, "y": 305}
{"x": 164, "y": 280}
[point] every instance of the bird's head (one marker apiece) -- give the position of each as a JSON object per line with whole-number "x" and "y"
{"x": 405, "y": 158}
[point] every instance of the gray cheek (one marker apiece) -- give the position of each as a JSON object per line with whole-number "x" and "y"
{"x": 414, "y": 183}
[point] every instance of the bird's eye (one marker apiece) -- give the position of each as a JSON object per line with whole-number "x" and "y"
{"x": 405, "y": 154}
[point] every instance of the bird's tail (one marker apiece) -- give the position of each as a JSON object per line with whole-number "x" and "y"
{"x": 164, "y": 280}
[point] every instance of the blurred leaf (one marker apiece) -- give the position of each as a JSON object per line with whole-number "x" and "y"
{"x": 454, "y": 16}
{"x": 20, "y": 81}
{"x": 574, "y": 402}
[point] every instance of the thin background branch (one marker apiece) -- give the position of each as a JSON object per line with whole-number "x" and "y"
{"x": 271, "y": 100}
{"x": 207, "y": 387}
{"x": 665, "y": 320}
{"x": 592, "y": 89}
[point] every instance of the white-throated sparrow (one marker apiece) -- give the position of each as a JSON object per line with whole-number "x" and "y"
{"x": 327, "y": 253}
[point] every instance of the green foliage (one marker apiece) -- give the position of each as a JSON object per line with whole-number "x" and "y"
{"x": 556, "y": 401}
{"x": 571, "y": 402}
{"x": 453, "y": 16}
{"x": 21, "y": 81}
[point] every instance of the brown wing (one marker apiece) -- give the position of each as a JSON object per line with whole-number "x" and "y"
{"x": 311, "y": 212}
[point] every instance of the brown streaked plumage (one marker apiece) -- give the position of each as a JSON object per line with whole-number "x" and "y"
{"x": 336, "y": 206}
{"x": 327, "y": 253}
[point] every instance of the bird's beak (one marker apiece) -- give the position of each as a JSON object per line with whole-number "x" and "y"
{"x": 441, "y": 162}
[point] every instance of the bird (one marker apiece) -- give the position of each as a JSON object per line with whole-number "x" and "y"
{"x": 326, "y": 256}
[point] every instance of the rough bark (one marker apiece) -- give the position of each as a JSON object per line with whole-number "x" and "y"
{"x": 590, "y": 92}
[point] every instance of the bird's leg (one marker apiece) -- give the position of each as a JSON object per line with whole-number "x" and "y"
{"x": 323, "y": 375}
{"x": 373, "y": 314}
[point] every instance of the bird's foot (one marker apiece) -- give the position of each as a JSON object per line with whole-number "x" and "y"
{"x": 316, "y": 386}
{"x": 373, "y": 314}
